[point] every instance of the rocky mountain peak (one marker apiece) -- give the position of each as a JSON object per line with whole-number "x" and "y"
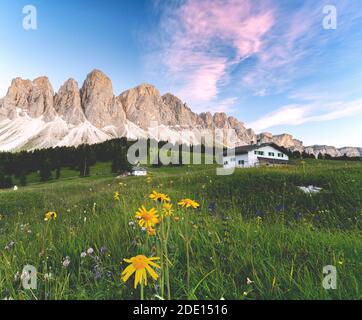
{"x": 97, "y": 83}
{"x": 33, "y": 97}
{"x": 67, "y": 103}
{"x": 18, "y": 93}
{"x": 146, "y": 89}
{"x": 100, "y": 106}
{"x": 143, "y": 105}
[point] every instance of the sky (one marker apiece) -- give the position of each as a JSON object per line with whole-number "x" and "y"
{"x": 279, "y": 66}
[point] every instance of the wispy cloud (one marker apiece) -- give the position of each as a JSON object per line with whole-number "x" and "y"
{"x": 296, "y": 47}
{"x": 299, "y": 114}
{"x": 203, "y": 39}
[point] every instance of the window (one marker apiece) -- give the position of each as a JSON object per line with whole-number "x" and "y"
{"x": 281, "y": 155}
{"x": 241, "y": 162}
{"x": 226, "y": 163}
{"x": 271, "y": 154}
{"x": 260, "y": 153}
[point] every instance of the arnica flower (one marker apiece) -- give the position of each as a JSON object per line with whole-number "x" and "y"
{"x": 147, "y": 218}
{"x": 51, "y": 215}
{"x": 161, "y": 197}
{"x": 117, "y": 196}
{"x": 140, "y": 265}
{"x": 187, "y": 203}
{"x": 167, "y": 209}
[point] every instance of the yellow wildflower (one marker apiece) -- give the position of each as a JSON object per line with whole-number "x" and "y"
{"x": 140, "y": 265}
{"x": 51, "y": 215}
{"x": 117, "y": 196}
{"x": 147, "y": 218}
{"x": 187, "y": 203}
{"x": 161, "y": 197}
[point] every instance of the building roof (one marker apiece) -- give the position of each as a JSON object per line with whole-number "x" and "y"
{"x": 251, "y": 147}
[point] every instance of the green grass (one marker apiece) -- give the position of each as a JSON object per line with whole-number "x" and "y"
{"x": 263, "y": 228}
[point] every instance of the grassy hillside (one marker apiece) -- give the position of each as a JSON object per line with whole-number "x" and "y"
{"x": 253, "y": 224}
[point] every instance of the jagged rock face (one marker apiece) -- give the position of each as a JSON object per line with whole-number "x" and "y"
{"x": 67, "y": 103}
{"x": 245, "y": 136}
{"x": 283, "y": 140}
{"x": 179, "y": 113}
{"x": 100, "y": 106}
{"x": 220, "y": 120}
{"x": 33, "y": 97}
{"x": 323, "y": 150}
{"x": 143, "y": 106}
{"x": 207, "y": 119}
{"x": 350, "y": 152}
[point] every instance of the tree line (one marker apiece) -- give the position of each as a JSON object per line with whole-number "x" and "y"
{"x": 47, "y": 162}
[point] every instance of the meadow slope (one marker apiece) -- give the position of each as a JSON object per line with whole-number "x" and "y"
{"x": 255, "y": 235}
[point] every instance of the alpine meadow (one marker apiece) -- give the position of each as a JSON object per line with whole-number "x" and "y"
{"x": 251, "y": 235}
{"x": 181, "y": 158}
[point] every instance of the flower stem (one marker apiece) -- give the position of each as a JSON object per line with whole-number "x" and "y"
{"x": 167, "y": 271}
{"x": 142, "y": 291}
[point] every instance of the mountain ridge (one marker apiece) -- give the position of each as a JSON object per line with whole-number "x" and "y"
{"x": 33, "y": 116}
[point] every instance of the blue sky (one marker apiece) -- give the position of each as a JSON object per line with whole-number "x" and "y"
{"x": 269, "y": 63}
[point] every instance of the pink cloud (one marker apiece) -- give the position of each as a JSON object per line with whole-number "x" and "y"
{"x": 205, "y": 38}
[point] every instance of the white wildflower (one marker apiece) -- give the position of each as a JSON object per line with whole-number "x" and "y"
{"x": 66, "y": 262}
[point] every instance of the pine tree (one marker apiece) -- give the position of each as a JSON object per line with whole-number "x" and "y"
{"x": 120, "y": 162}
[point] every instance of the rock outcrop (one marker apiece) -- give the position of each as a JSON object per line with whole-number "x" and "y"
{"x": 284, "y": 140}
{"x": 101, "y": 107}
{"x": 323, "y": 150}
{"x": 143, "y": 105}
{"x": 67, "y": 103}
{"x": 33, "y": 97}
